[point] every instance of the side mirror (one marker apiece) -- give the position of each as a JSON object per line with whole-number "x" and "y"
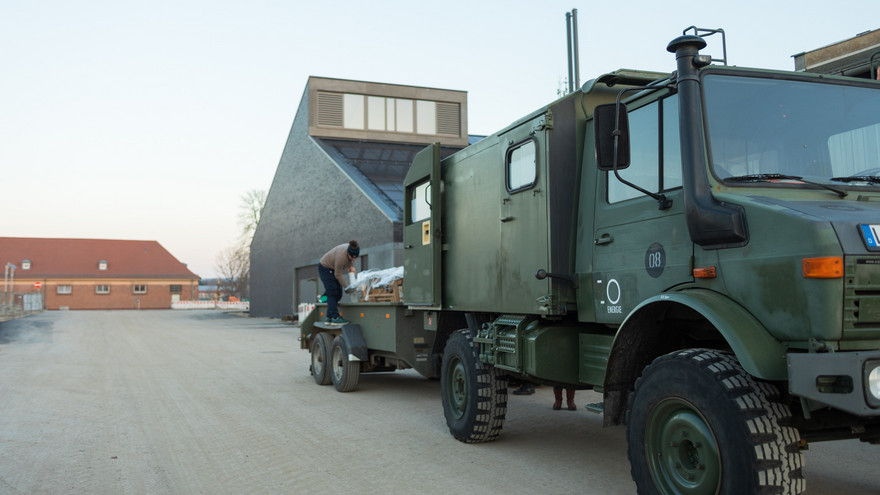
{"x": 604, "y": 123}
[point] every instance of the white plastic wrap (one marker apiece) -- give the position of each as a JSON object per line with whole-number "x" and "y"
{"x": 370, "y": 279}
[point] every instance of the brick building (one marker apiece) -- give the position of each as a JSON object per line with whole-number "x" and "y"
{"x": 98, "y": 273}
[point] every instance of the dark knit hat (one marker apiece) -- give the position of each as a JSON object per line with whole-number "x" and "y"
{"x": 353, "y": 249}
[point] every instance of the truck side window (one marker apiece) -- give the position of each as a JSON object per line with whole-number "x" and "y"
{"x": 521, "y": 168}
{"x": 671, "y": 144}
{"x": 648, "y": 127}
{"x": 420, "y": 208}
{"x": 644, "y": 152}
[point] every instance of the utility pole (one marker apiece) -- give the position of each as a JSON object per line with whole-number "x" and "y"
{"x": 10, "y": 269}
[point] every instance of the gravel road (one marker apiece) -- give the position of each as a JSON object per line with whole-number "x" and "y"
{"x": 176, "y": 402}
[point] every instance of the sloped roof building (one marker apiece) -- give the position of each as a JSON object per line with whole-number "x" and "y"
{"x": 340, "y": 177}
{"x": 98, "y": 273}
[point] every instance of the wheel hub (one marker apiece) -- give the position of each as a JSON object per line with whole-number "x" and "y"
{"x": 685, "y": 457}
{"x": 457, "y": 394}
{"x": 317, "y": 363}
{"x": 337, "y": 363}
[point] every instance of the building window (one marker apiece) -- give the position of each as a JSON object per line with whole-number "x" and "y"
{"x": 404, "y": 115}
{"x": 26, "y": 265}
{"x": 380, "y": 113}
{"x": 176, "y": 289}
{"x": 140, "y": 288}
{"x": 426, "y": 117}
{"x": 376, "y": 113}
{"x": 102, "y": 289}
{"x": 102, "y": 265}
{"x": 64, "y": 289}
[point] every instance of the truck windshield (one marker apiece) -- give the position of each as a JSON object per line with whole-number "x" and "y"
{"x": 783, "y": 130}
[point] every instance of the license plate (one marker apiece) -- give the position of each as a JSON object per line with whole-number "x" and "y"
{"x": 871, "y": 236}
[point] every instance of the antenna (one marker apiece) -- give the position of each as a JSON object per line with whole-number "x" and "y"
{"x": 571, "y": 25}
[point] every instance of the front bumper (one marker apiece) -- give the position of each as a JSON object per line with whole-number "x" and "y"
{"x": 836, "y": 379}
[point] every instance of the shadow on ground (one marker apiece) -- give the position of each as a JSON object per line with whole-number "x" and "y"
{"x": 27, "y": 330}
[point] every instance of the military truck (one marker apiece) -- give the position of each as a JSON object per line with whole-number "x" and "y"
{"x": 702, "y": 248}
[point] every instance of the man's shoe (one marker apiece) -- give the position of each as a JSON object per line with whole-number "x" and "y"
{"x": 525, "y": 389}
{"x": 339, "y": 321}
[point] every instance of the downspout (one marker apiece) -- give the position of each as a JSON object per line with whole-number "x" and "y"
{"x": 712, "y": 224}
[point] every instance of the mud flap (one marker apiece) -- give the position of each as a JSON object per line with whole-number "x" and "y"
{"x": 357, "y": 345}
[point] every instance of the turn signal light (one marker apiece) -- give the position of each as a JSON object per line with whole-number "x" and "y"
{"x": 827, "y": 267}
{"x": 705, "y": 272}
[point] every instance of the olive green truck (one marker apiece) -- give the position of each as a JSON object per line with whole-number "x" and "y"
{"x": 702, "y": 248}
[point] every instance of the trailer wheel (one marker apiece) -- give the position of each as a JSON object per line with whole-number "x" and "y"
{"x": 321, "y": 358}
{"x": 343, "y": 372}
{"x": 699, "y": 424}
{"x": 474, "y": 396}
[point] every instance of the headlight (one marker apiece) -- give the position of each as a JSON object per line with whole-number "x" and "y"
{"x": 872, "y": 371}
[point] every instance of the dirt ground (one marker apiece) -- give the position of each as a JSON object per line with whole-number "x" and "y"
{"x": 177, "y": 402}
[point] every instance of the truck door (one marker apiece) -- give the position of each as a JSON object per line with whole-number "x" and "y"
{"x": 421, "y": 229}
{"x": 641, "y": 250}
{"x": 523, "y": 221}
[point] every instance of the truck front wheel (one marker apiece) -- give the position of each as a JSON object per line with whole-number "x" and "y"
{"x": 699, "y": 424}
{"x": 474, "y": 396}
{"x": 321, "y": 358}
{"x": 343, "y": 372}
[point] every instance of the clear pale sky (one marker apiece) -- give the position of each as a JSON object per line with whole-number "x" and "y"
{"x": 149, "y": 120}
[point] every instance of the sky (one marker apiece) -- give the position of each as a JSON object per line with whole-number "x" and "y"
{"x": 150, "y": 120}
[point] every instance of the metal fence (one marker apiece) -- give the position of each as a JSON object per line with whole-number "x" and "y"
{"x": 224, "y": 305}
{"x": 16, "y": 304}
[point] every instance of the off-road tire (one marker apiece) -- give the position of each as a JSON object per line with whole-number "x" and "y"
{"x": 320, "y": 367}
{"x": 343, "y": 372}
{"x": 699, "y": 424}
{"x": 474, "y": 395}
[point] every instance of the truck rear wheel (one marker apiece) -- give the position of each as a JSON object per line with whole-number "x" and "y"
{"x": 699, "y": 424}
{"x": 343, "y": 372}
{"x": 474, "y": 396}
{"x": 321, "y": 358}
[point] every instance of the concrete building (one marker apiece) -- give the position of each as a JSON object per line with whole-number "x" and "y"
{"x": 98, "y": 273}
{"x": 340, "y": 177}
{"x": 858, "y": 56}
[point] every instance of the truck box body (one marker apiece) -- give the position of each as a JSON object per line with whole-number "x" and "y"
{"x": 499, "y": 229}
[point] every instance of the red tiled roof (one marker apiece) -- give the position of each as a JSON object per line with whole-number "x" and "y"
{"x": 79, "y": 258}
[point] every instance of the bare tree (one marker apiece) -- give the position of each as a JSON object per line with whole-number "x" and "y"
{"x": 233, "y": 263}
{"x": 249, "y": 210}
{"x": 233, "y": 266}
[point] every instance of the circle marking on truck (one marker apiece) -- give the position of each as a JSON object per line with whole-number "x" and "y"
{"x": 612, "y": 300}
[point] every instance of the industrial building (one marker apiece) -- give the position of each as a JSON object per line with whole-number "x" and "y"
{"x": 340, "y": 177}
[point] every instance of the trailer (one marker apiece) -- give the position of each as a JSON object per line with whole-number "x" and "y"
{"x": 701, "y": 247}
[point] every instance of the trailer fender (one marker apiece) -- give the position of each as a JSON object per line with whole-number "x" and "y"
{"x": 354, "y": 339}
{"x": 759, "y": 353}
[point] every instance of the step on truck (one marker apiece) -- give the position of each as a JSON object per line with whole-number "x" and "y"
{"x": 702, "y": 248}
